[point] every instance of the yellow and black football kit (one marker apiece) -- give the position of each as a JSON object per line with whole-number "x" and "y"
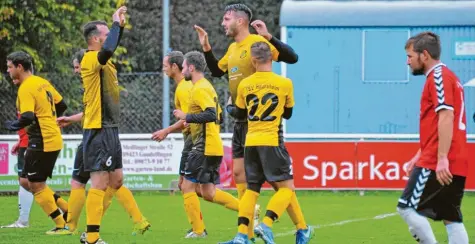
{"x": 267, "y": 98}
{"x": 102, "y": 148}
{"x": 204, "y": 117}
{"x": 182, "y": 102}
{"x": 39, "y": 104}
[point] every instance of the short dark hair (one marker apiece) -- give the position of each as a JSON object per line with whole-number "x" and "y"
{"x": 196, "y": 59}
{"x": 176, "y": 57}
{"x": 428, "y": 41}
{"x": 239, "y": 7}
{"x": 79, "y": 55}
{"x": 22, "y": 58}
{"x": 90, "y": 29}
{"x": 261, "y": 52}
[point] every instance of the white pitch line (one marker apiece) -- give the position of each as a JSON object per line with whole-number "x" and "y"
{"x": 382, "y": 216}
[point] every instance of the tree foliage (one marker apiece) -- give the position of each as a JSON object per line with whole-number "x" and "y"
{"x": 49, "y": 30}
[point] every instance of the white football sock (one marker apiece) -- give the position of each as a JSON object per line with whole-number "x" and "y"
{"x": 25, "y": 200}
{"x": 457, "y": 233}
{"x": 419, "y": 226}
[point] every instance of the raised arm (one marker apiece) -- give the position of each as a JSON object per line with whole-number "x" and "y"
{"x": 113, "y": 38}
{"x": 285, "y": 52}
{"x": 211, "y": 61}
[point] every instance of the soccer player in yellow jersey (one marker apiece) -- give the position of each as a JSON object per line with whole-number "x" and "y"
{"x": 77, "y": 197}
{"x": 202, "y": 166}
{"x": 265, "y": 98}
{"x": 172, "y": 67}
{"x": 236, "y": 63}
{"x": 38, "y": 103}
{"x": 102, "y": 149}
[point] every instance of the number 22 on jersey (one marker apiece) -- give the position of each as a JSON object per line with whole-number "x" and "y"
{"x": 254, "y": 104}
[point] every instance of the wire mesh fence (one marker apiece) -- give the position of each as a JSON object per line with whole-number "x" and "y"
{"x": 141, "y": 105}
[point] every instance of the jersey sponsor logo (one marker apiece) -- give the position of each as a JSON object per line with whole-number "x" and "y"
{"x": 234, "y": 69}
{"x": 243, "y": 54}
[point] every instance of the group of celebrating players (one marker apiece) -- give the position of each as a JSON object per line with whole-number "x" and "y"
{"x": 259, "y": 101}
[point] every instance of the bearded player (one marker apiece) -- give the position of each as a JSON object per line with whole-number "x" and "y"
{"x": 438, "y": 171}
{"x": 236, "y": 63}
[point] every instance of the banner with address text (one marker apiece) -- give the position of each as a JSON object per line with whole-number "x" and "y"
{"x": 149, "y": 165}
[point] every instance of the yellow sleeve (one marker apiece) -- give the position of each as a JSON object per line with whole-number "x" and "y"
{"x": 27, "y": 100}
{"x": 290, "y": 102}
{"x": 203, "y": 99}
{"x": 223, "y": 62}
{"x": 56, "y": 96}
{"x": 177, "y": 101}
{"x": 240, "y": 101}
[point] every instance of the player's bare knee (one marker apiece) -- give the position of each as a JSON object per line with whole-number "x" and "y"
{"x": 24, "y": 183}
{"x": 198, "y": 190}
{"x": 116, "y": 178}
{"x": 208, "y": 191}
{"x": 99, "y": 180}
{"x": 36, "y": 186}
{"x": 238, "y": 168}
{"x": 77, "y": 185}
{"x": 285, "y": 184}
{"x": 208, "y": 194}
{"x": 188, "y": 186}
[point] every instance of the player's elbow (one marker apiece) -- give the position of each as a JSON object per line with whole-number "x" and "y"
{"x": 104, "y": 55}
{"x": 287, "y": 113}
{"x": 292, "y": 58}
{"x": 60, "y": 108}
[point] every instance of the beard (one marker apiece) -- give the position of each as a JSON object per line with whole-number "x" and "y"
{"x": 419, "y": 71}
{"x": 187, "y": 76}
{"x": 231, "y": 31}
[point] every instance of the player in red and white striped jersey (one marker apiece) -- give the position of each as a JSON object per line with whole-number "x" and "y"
{"x": 438, "y": 171}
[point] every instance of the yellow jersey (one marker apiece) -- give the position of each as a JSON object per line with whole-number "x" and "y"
{"x": 206, "y": 136}
{"x": 237, "y": 61}
{"x": 101, "y": 92}
{"x": 37, "y": 95}
{"x": 265, "y": 95}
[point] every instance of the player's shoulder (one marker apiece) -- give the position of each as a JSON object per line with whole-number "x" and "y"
{"x": 258, "y": 38}
{"x": 203, "y": 84}
{"x": 89, "y": 56}
{"x": 442, "y": 73}
{"x": 248, "y": 79}
{"x": 281, "y": 79}
{"x": 32, "y": 82}
{"x": 448, "y": 73}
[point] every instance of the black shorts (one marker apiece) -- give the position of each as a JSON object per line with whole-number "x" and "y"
{"x": 21, "y": 162}
{"x": 429, "y": 198}
{"x": 79, "y": 174}
{"x": 267, "y": 163}
{"x": 239, "y": 139}
{"x": 202, "y": 169}
{"x": 102, "y": 150}
{"x": 188, "y": 144}
{"x": 39, "y": 165}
